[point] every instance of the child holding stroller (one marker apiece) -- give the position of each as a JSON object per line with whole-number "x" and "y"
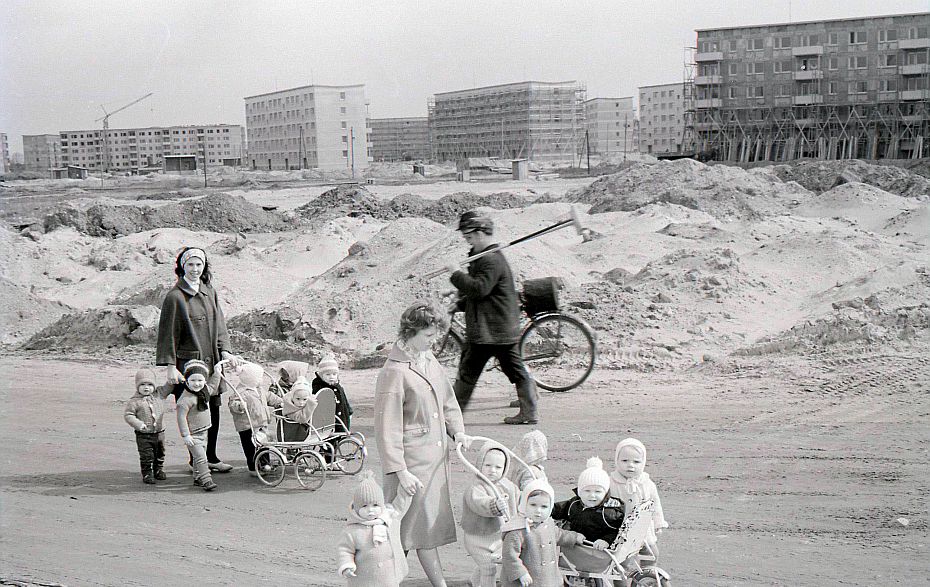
{"x": 145, "y": 412}
{"x": 250, "y": 409}
{"x": 532, "y": 540}
{"x": 592, "y": 511}
{"x": 483, "y": 514}
{"x": 194, "y": 416}
{"x": 631, "y": 484}
{"x": 327, "y": 375}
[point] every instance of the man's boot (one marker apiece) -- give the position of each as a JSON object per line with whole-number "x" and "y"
{"x": 528, "y": 397}
{"x": 463, "y": 393}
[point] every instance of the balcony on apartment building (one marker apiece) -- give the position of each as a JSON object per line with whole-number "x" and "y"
{"x": 708, "y": 80}
{"x": 809, "y": 74}
{"x": 914, "y": 43}
{"x": 709, "y": 56}
{"x": 915, "y": 69}
{"x": 708, "y": 103}
{"x": 808, "y": 50}
{"x": 915, "y": 94}
{"x": 807, "y": 99}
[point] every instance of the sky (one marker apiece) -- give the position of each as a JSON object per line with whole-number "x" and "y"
{"x": 61, "y": 61}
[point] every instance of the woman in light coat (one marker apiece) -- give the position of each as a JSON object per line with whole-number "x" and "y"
{"x": 415, "y": 415}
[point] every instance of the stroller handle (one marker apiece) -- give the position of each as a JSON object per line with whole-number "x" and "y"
{"x": 480, "y": 475}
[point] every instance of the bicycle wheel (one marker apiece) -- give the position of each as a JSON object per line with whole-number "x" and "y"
{"x": 448, "y": 350}
{"x": 559, "y": 350}
{"x": 350, "y": 456}
{"x": 310, "y": 470}
{"x": 270, "y": 467}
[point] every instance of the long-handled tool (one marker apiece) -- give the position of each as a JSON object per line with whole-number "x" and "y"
{"x": 573, "y": 220}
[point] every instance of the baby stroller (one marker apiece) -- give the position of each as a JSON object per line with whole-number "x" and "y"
{"x": 272, "y": 457}
{"x": 619, "y": 564}
{"x": 342, "y": 450}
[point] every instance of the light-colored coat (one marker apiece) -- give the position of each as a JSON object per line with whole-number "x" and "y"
{"x": 146, "y": 413}
{"x": 415, "y": 416}
{"x": 633, "y": 492}
{"x": 535, "y": 550}
{"x": 481, "y": 524}
{"x": 375, "y": 565}
{"x": 258, "y": 404}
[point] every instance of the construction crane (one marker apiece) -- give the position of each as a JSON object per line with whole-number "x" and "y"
{"x": 106, "y": 127}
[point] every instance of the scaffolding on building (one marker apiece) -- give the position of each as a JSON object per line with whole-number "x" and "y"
{"x": 688, "y": 137}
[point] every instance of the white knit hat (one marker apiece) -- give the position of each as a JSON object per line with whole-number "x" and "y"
{"x": 594, "y": 475}
{"x": 250, "y": 375}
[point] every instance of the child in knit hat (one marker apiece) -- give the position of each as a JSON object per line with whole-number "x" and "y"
{"x": 194, "y": 416}
{"x": 145, "y": 411}
{"x": 251, "y": 409}
{"x": 532, "y": 540}
{"x": 592, "y": 511}
{"x": 631, "y": 484}
{"x": 370, "y": 553}
{"x": 297, "y": 409}
{"x": 327, "y": 375}
{"x": 533, "y": 449}
{"x": 483, "y": 514}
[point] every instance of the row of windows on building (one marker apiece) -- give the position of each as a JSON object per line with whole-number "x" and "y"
{"x": 285, "y": 101}
{"x": 853, "y": 37}
{"x": 815, "y": 87}
{"x": 814, "y": 63}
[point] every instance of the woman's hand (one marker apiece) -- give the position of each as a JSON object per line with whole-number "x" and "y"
{"x": 174, "y": 376}
{"x": 349, "y": 572}
{"x": 465, "y": 439}
{"x": 234, "y": 360}
{"x": 526, "y": 580}
{"x": 188, "y": 440}
{"x": 409, "y": 482}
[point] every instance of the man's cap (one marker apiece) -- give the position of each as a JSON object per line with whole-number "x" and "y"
{"x": 471, "y": 221}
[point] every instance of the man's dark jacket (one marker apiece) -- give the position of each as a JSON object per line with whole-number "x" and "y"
{"x": 488, "y": 297}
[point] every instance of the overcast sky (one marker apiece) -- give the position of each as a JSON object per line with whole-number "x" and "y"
{"x": 60, "y": 61}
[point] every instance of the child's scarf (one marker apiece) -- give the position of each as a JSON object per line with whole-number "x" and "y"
{"x": 632, "y": 491}
{"x": 379, "y": 526}
{"x": 203, "y": 396}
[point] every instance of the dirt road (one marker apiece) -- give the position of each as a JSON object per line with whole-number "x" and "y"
{"x": 768, "y": 477}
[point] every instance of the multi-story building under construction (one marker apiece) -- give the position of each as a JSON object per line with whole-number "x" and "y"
{"x": 400, "y": 139}
{"x": 848, "y": 88}
{"x": 541, "y": 121}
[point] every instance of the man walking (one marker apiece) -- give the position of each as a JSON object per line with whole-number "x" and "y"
{"x": 488, "y": 297}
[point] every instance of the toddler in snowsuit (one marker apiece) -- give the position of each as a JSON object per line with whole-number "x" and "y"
{"x": 592, "y": 511}
{"x": 483, "y": 514}
{"x": 631, "y": 484}
{"x": 327, "y": 375}
{"x": 532, "y": 449}
{"x": 250, "y": 411}
{"x": 194, "y": 417}
{"x": 532, "y": 540}
{"x": 297, "y": 407}
{"x": 370, "y": 553}
{"x": 145, "y": 411}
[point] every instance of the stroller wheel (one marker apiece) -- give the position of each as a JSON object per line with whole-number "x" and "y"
{"x": 269, "y": 466}
{"x": 310, "y": 469}
{"x": 350, "y": 456}
{"x": 649, "y": 577}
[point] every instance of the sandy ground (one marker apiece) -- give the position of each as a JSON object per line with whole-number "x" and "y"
{"x": 780, "y": 476}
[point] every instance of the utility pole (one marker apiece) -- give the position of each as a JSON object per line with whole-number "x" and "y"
{"x": 302, "y": 151}
{"x": 625, "y": 146}
{"x": 352, "y": 148}
{"x": 502, "y": 138}
{"x": 587, "y": 149}
{"x": 204, "y": 149}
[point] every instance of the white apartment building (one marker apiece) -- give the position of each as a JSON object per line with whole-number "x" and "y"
{"x": 323, "y": 127}
{"x": 4, "y": 154}
{"x": 611, "y": 125}
{"x": 42, "y": 152}
{"x": 661, "y": 118}
{"x": 132, "y": 148}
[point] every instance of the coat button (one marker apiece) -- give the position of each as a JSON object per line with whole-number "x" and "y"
{"x": 435, "y": 415}
{"x": 380, "y": 565}
{"x": 439, "y": 443}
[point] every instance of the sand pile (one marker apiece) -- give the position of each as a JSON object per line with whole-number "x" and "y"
{"x": 726, "y": 193}
{"x": 861, "y": 204}
{"x": 25, "y": 313}
{"x": 99, "y": 329}
{"x": 215, "y": 212}
{"x": 820, "y": 176}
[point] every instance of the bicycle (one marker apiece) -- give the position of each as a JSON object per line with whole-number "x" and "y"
{"x": 559, "y": 349}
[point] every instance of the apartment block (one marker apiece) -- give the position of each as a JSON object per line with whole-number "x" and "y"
{"x": 611, "y": 125}
{"x": 4, "y": 154}
{"x": 42, "y": 152}
{"x": 400, "y": 139}
{"x": 322, "y": 127}
{"x": 847, "y": 88}
{"x": 133, "y": 148}
{"x": 662, "y": 119}
{"x": 542, "y": 121}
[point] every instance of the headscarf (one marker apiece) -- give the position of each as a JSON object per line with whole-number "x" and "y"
{"x": 631, "y": 490}
{"x": 533, "y": 447}
{"x": 193, "y": 253}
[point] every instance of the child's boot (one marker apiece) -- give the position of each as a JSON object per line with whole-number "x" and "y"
{"x": 206, "y": 482}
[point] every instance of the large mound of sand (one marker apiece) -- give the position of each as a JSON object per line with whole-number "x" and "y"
{"x": 868, "y": 207}
{"x": 820, "y": 176}
{"x": 726, "y": 193}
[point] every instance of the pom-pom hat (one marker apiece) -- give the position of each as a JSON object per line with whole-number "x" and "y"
{"x": 367, "y": 492}
{"x": 250, "y": 375}
{"x": 327, "y": 363}
{"x": 594, "y": 475}
{"x": 195, "y": 366}
{"x": 301, "y": 383}
{"x": 145, "y": 375}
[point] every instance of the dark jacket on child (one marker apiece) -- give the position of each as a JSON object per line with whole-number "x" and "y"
{"x": 601, "y": 522}
{"x": 343, "y": 407}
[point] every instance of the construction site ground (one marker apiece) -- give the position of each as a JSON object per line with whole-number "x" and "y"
{"x": 763, "y": 332}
